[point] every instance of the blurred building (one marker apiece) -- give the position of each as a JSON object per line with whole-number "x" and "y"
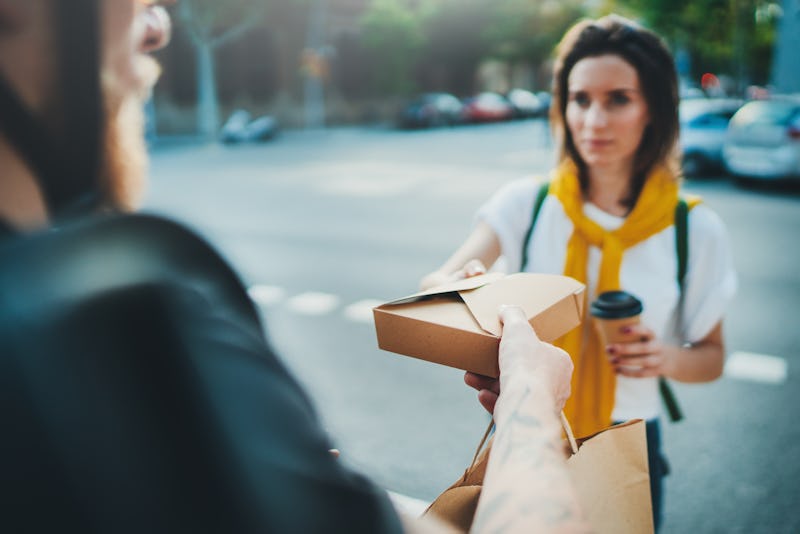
{"x": 786, "y": 66}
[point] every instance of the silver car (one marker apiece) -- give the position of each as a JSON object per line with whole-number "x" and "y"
{"x": 763, "y": 140}
{"x": 704, "y": 122}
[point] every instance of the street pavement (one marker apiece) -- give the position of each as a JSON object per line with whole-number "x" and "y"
{"x": 323, "y": 225}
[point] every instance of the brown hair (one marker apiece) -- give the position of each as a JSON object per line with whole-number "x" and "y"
{"x": 654, "y": 65}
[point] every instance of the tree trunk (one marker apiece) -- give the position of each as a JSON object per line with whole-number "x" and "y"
{"x": 207, "y": 99}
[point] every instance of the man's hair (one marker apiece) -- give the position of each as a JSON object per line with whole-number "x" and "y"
{"x": 64, "y": 156}
{"x": 655, "y": 67}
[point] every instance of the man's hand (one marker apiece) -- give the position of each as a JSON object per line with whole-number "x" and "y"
{"x": 523, "y": 355}
{"x": 527, "y": 487}
{"x": 488, "y": 389}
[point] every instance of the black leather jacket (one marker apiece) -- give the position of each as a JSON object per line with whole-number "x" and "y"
{"x": 139, "y": 394}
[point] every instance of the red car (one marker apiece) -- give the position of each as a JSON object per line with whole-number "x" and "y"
{"x": 487, "y": 107}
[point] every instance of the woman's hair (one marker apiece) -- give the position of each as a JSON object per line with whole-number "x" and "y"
{"x": 655, "y": 67}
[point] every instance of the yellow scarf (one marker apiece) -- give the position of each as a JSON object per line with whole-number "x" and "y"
{"x": 594, "y": 382}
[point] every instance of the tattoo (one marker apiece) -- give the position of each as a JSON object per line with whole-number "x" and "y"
{"x": 527, "y": 487}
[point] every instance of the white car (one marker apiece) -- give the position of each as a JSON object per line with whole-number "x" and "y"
{"x": 763, "y": 140}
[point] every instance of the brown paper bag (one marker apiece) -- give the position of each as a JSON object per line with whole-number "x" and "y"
{"x": 609, "y": 470}
{"x": 456, "y": 505}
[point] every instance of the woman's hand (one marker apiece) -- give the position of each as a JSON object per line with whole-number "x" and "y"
{"x": 481, "y": 248}
{"x": 472, "y": 268}
{"x": 642, "y": 357}
{"x": 646, "y": 356}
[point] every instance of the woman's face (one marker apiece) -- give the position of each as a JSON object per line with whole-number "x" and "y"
{"x": 606, "y": 112}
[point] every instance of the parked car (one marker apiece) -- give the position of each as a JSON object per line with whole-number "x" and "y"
{"x": 487, "y": 107}
{"x": 763, "y": 140}
{"x": 704, "y": 123}
{"x": 545, "y": 98}
{"x": 525, "y": 104}
{"x": 242, "y": 128}
{"x": 429, "y": 110}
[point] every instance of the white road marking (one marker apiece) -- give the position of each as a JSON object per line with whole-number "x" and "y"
{"x": 265, "y": 295}
{"x": 361, "y": 311}
{"x": 756, "y": 368}
{"x": 409, "y": 505}
{"x": 313, "y": 303}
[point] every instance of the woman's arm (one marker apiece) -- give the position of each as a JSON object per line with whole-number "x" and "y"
{"x": 699, "y": 362}
{"x": 482, "y": 245}
{"x": 527, "y": 487}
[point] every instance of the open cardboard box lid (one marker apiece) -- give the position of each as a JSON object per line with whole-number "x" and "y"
{"x": 458, "y": 325}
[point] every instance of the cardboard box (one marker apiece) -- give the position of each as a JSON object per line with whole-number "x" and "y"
{"x": 458, "y": 324}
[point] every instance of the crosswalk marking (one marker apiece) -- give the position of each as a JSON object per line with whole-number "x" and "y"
{"x": 361, "y": 311}
{"x": 756, "y": 368}
{"x": 313, "y": 303}
{"x": 265, "y": 295}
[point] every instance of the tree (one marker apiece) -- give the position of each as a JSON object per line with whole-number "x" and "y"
{"x": 391, "y": 32}
{"x": 723, "y": 36}
{"x": 211, "y": 24}
{"x": 525, "y": 31}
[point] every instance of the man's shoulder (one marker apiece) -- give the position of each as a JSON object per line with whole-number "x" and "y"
{"x": 102, "y": 255}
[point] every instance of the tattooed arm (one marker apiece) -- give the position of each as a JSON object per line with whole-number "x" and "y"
{"x": 527, "y": 487}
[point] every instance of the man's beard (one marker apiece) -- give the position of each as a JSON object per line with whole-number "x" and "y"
{"x": 124, "y": 167}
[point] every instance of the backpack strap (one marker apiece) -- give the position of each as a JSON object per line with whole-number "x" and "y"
{"x": 682, "y": 239}
{"x": 544, "y": 189}
{"x": 682, "y": 255}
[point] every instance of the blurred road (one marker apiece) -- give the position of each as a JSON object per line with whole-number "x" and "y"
{"x": 324, "y": 225}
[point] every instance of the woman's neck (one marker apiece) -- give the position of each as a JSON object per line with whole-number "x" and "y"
{"x": 609, "y": 188}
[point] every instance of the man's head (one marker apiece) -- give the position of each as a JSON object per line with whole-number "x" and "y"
{"x": 31, "y": 61}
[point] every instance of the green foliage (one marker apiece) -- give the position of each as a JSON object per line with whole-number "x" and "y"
{"x": 391, "y": 32}
{"x": 526, "y": 31}
{"x": 443, "y": 42}
{"x": 722, "y": 36}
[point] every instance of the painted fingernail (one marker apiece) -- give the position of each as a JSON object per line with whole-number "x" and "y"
{"x": 611, "y": 349}
{"x": 614, "y": 361}
{"x": 626, "y": 329}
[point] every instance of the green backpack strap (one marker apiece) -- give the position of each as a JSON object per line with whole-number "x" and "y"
{"x": 682, "y": 239}
{"x": 544, "y": 189}
{"x": 682, "y": 254}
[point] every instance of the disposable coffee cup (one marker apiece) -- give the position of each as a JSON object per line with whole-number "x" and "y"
{"x": 611, "y": 312}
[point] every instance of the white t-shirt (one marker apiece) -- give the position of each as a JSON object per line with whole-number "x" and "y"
{"x": 649, "y": 271}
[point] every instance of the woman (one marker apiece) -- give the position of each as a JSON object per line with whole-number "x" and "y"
{"x": 608, "y": 221}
